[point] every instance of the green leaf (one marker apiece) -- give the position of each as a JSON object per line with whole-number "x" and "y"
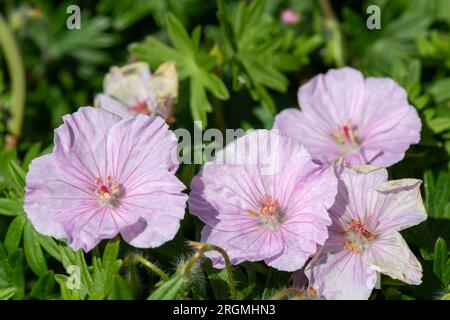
{"x": 111, "y": 253}
{"x": 169, "y": 290}
{"x": 33, "y": 251}
{"x": 15, "y": 272}
{"x": 446, "y": 274}
{"x": 50, "y": 246}
{"x": 154, "y": 52}
{"x": 437, "y": 195}
{"x": 32, "y": 153}
{"x": 14, "y": 233}
{"x": 439, "y": 124}
{"x": 215, "y": 85}
{"x": 179, "y": 36}
{"x": 43, "y": 289}
{"x": 440, "y": 90}
{"x": 110, "y": 262}
{"x": 120, "y": 290}
{"x": 225, "y": 26}
{"x": 18, "y": 175}
{"x": 70, "y": 258}
{"x": 199, "y": 102}
{"x": 66, "y": 293}
{"x": 218, "y": 281}
{"x": 10, "y": 207}
{"x": 86, "y": 277}
{"x": 7, "y": 293}
{"x": 264, "y": 74}
{"x": 440, "y": 257}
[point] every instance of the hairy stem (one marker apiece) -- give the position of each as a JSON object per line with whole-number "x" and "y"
{"x": 152, "y": 267}
{"x": 205, "y": 247}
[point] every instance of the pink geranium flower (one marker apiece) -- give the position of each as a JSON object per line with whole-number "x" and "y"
{"x": 366, "y": 121}
{"x": 264, "y": 199}
{"x": 107, "y": 176}
{"x": 364, "y": 237}
{"x": 290, "y": 16}
{"x": 133, "y": 89}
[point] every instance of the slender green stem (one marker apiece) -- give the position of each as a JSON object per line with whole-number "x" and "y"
{"x": 336, "y": 35}
{"x": 286, "y": 292}
{"x": 327, "y": 9}
{"x": 205, "y": 247}
{"x": 195, "y": 258}
{"x": 152, "y": 267}
{"x": 17, "y": 74}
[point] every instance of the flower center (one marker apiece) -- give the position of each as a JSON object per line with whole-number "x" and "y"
{"x": 140, "y": 107}
{"x": 108, "y": 192}
{"x": 270, "y": 214}
{"x": 346, "y": 136}
{"x": 357, "y": 237}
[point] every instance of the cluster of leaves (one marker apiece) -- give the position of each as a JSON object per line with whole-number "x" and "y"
{"x": 238, "y": 66}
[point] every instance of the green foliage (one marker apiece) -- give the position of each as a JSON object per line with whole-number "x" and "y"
{"x": 192, "y": 62}
{"x": 437, "y": 195}
{"x": 441, "y": 261}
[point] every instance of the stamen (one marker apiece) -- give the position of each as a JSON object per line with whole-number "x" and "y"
{"x": 109, "y": 193}
{"x": 347, "y": 134}
{"x": 351, "y": 246}
{"x": 269, "y": 213}
{"x": 357, "y": 236}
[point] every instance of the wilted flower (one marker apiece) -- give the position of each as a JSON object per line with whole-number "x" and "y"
{"x": 364, "y": 237}
{"x": 366, "y": 121}
{"x": 107, "y": 176}
{"x": 133, "y": 89}
{"x": 264, "y": 199}
{"x": 290, "y": 16}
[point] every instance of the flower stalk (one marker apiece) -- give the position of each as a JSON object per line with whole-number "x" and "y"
{"x": 152, "y": 267}
{"x": 206, "y": 247}
{"x": 17, "y": 74}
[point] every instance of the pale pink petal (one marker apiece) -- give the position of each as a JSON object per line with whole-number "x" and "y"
{"x": 313, "y": 132}
{"x": 398, "y": 205}
{"x": 80, "y": 143}
{"x": 306, "y": 221}
{"x": 334, "y": 97}
{"x": 222, "y": 195}
{"x": 379, "y": 123}
{"x": 327, "y": 101}
{"x": 49, "y": 193}
{"x": 158, "y": 200}
{"x": 298, "y": 246}
{"x": 263, "y": 148}
{"x": 355, "y": 195}
{"x": 389, "y": 125}
{"x": 112, "y": 105}
{"x": 129, "y": 84}
{"x": 342, "y": 275}
{"x": 235, "y": 244}
{"x": 139, "y": 144}
{"x": 390, "y": 255}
